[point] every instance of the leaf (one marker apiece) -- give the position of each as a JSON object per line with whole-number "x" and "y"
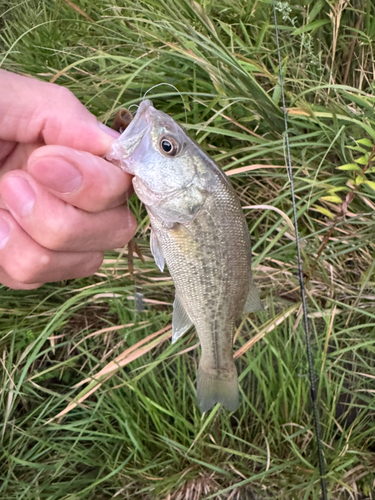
{"x": 276, "y": 93}
{"x": 318, "y": 5}
{"x": 349, "y": 166}
{"x": 363, "y": 160}
{"x": 332, "y": 199}
{"x": 338, "y": 188}
{"x": 359, "y": 180}
{"x": 248, "y": 66}
{"x": 357, "y": 148}
{"x": 371, "y": 184}
{"x": 365, "y": 142}
{"x": 311, "y": 26}
{"x": 324, "y": 211}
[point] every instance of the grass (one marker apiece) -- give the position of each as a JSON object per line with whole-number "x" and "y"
{"x": 139, "y": 434}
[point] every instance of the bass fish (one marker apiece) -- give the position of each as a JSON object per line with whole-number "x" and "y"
{"x": 198, "y": 229}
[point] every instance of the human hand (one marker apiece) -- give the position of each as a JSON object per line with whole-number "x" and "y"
{"x": 61, "y": 204}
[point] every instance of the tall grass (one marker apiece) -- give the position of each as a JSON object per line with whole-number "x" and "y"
{"x": 139, "y": 432}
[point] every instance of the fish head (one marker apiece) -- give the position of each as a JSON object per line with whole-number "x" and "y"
{"x": 171, "y": 171}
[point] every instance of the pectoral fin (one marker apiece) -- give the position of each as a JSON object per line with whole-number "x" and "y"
{"x": 180, "y": 321}
{"x": 156, "y": 250}
{"x": 253, "y": 302}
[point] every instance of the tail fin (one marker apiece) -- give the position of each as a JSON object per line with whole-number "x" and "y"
{"x": 214, "y": 386}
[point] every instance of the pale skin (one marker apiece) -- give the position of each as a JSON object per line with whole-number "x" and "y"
{"x": 61, "y": 203}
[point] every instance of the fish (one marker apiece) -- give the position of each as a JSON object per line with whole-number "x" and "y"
{"x": 199, "y": 231}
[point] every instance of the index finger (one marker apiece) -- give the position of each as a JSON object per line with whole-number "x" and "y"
{"x": 32, "y": 111}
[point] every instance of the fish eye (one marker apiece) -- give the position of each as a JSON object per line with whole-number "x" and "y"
{"x": 169, "y": 146}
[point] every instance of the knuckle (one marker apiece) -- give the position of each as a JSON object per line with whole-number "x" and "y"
{"x": 45, "y": 261}
{"x": 55, "y": 236}
{"x": 24, "y": 272}
{"x": 31, "y": 271}
{"x": 64, "y": 94}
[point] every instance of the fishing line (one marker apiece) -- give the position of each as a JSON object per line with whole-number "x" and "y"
{"x": 313, "y": 391}
{"x": 173, "y": 87}
{"x": 133, "y": 105}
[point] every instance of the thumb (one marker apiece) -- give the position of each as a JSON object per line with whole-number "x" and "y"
{"x": 32, "y": 111}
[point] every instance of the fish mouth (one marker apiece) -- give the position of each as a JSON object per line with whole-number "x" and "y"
{"x": 139, "y": 123}
{"x": 128, "y": 141}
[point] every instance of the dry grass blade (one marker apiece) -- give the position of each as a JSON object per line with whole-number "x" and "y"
{"x": 275, "y": 209}
{"x": 335, "y": 14}
{"x": 124, "y": 356}
{"x": 249, "y": 168}
{"x": 106, "y": 330}
{"x": 267, "y": 328}
{"x": 79, "y": 10}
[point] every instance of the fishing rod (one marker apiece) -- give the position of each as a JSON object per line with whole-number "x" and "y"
{"x": 313, "y": 389}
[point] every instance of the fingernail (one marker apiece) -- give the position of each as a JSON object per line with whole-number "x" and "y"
{"x": 18, "y": 195}
{"x": 109, "y": 130}
{"x": 57, "y": 174}
{"x": 4, "y": 233}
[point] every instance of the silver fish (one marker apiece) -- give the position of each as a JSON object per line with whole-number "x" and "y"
{"x": 199, "y": 230}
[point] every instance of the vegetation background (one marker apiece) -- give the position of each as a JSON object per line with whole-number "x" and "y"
{"x": 137, "y": 432}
